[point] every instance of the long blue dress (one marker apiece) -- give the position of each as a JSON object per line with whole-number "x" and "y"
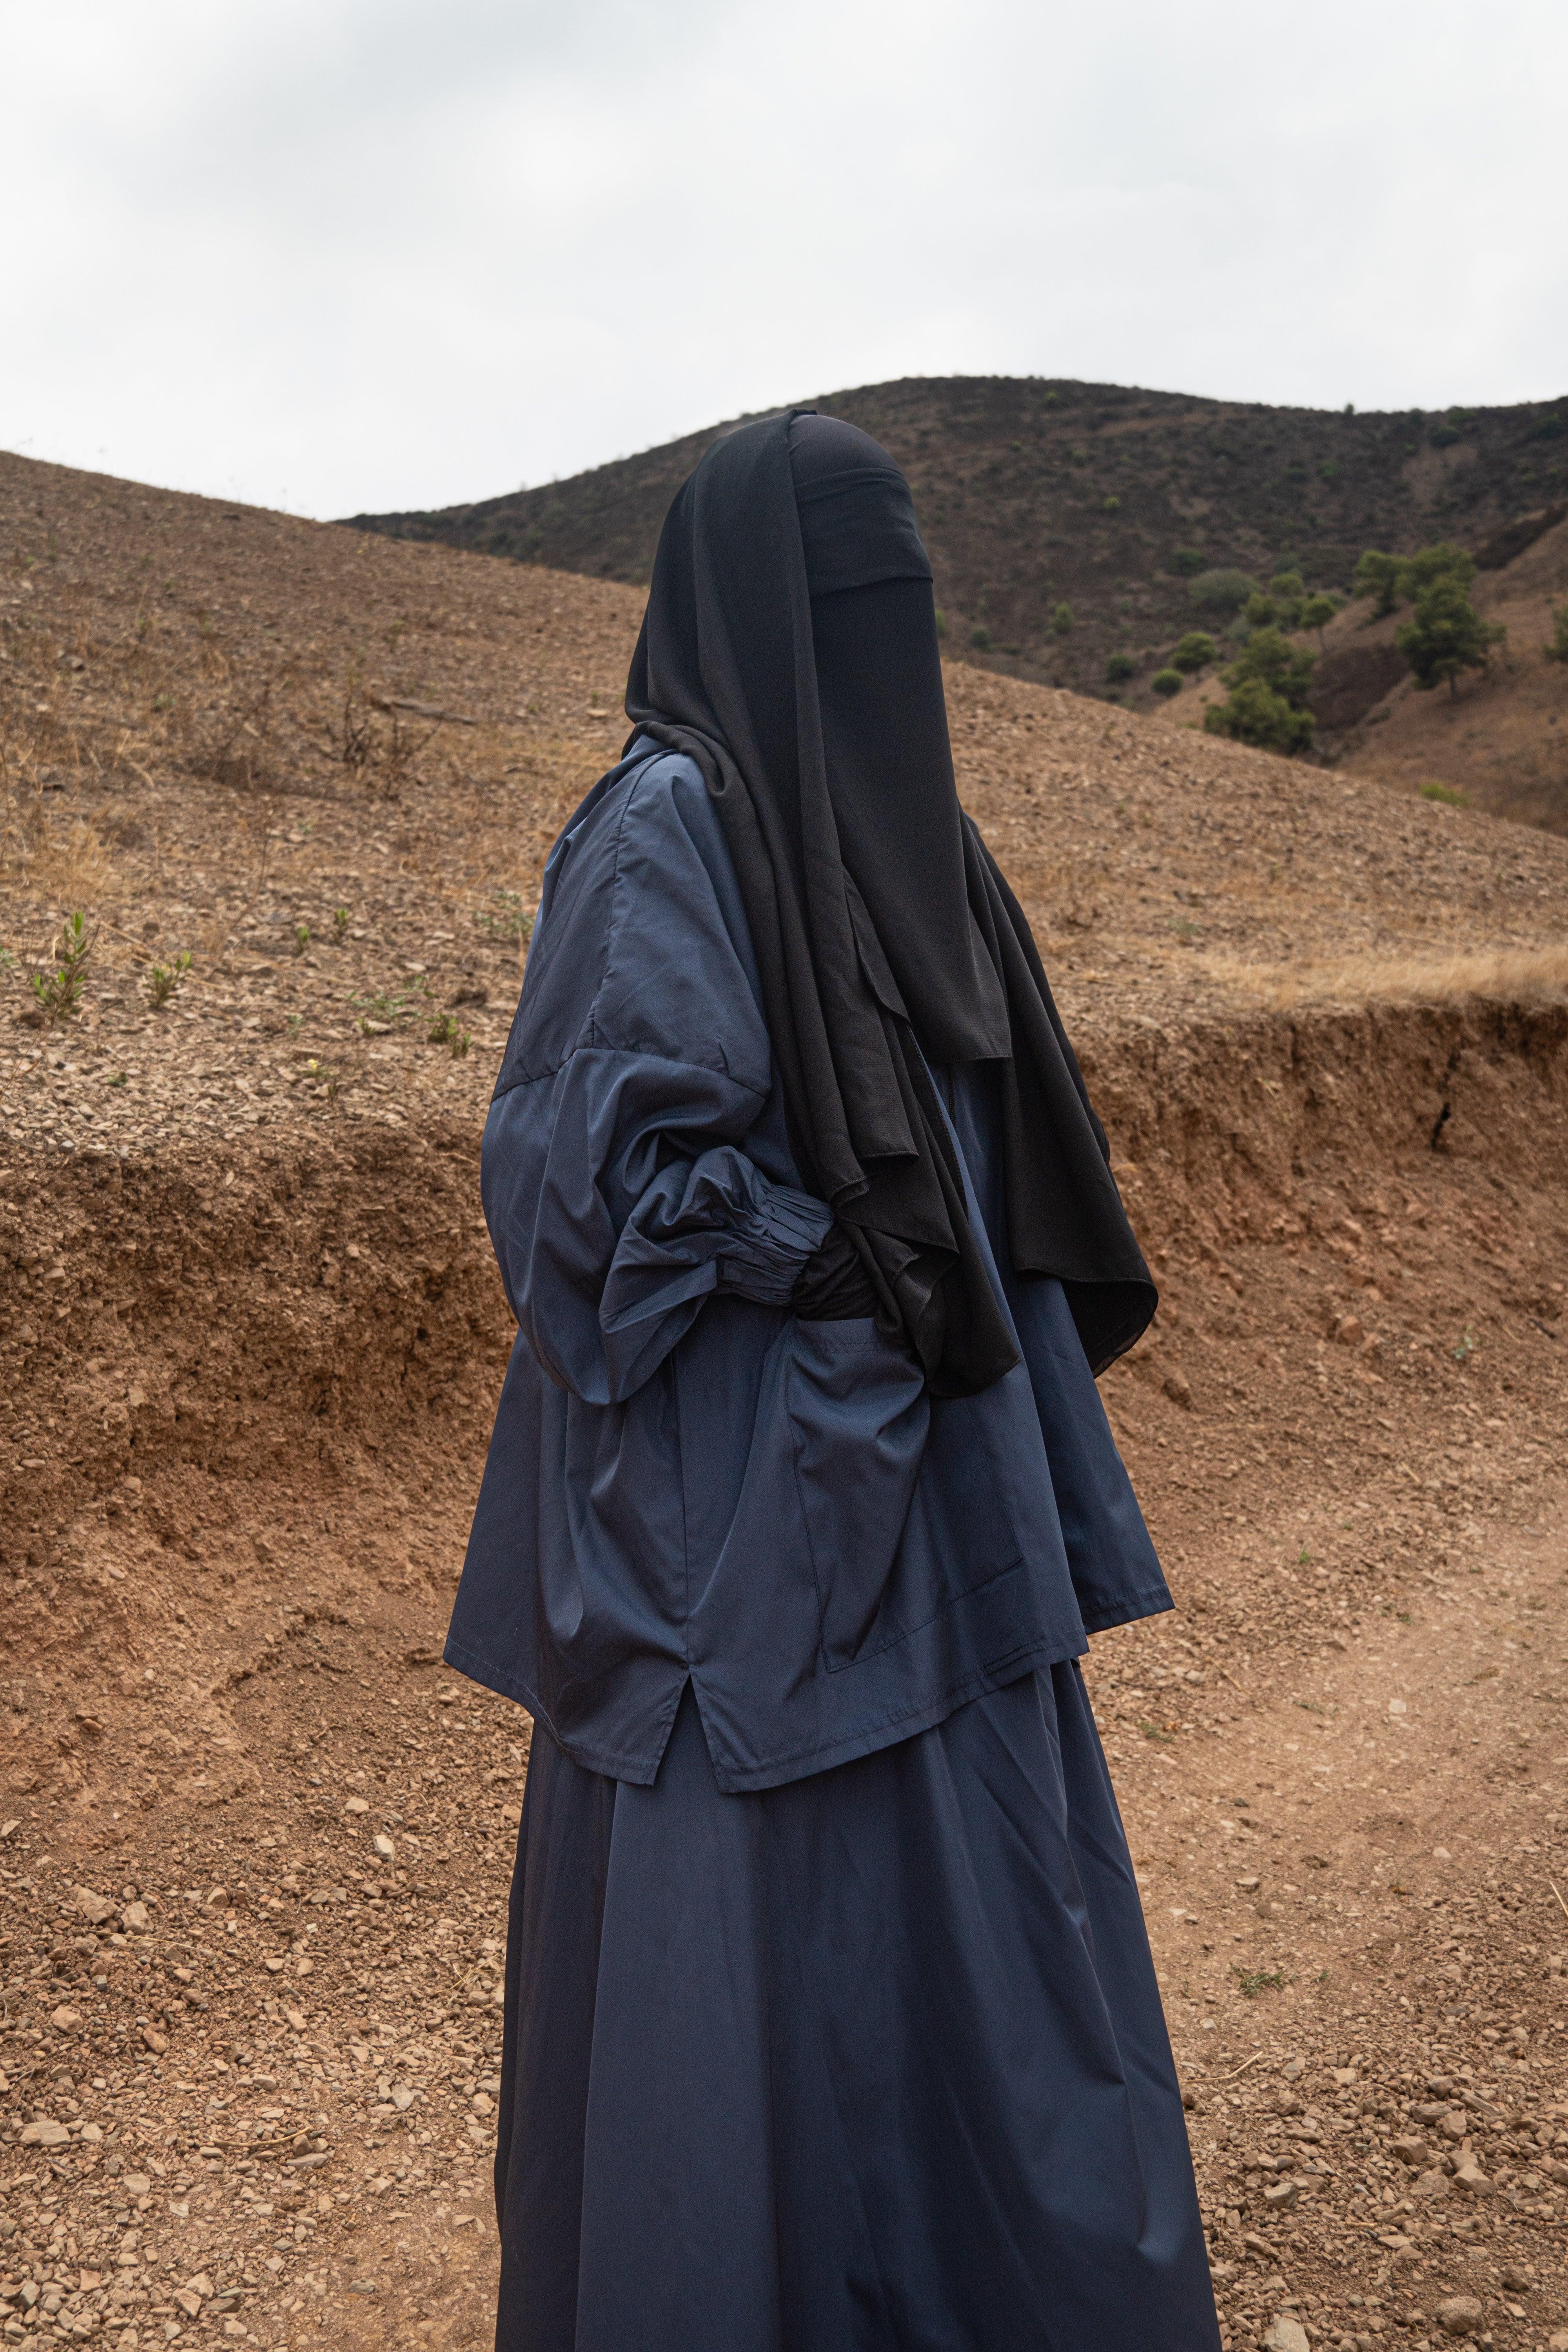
{"x": 831, "y": 2025}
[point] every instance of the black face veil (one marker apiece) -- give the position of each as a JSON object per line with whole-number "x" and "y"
{"x": 790, "y": 646}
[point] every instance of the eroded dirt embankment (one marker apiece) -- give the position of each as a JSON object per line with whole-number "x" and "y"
{"x": 326, "y": 1306}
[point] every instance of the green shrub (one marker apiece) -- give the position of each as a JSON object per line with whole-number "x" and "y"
{"x": 1193, "y": 652}
{"x": 1443, "y": 436}
{"x": 1255, "y": 714}
{"x": 1557, "y": 651}
{"x": 1112, "y": 505}
{"x": 1446, "y": 635}
{"x": 1222, "y": 591}
{"x": 940, "y": 622}
{"x": 1166, "y": 682}
{"x": 1267, "y": 704}
{"x": 980, "y": 637}
{"x": 1316, "y": 612}
{"x": 1118, "y": 667}
{"x": 1377, "y": 575}
{"x": 1262, "y": 612}
{"x": 1187, "y": 561}
{"x": 1061, "y": 618}
{"x": 1442, "y": 560}
{"x": 1447, "y": 794}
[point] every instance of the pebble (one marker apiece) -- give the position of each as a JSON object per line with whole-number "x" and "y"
{"x": 1460, "y": 2315}
{"x": 384, "y": 1846}
{"x": 1286, "y": 2334}
{"x": 95, "y": 1909}
{"x": 357, "y": 1805}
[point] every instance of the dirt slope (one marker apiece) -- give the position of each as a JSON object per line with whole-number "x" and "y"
{"x": 254, "y": 1841}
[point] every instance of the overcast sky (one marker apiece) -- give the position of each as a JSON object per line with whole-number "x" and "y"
{"x": 330, "y": 256}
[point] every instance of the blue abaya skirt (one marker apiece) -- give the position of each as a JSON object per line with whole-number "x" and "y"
{"x": 871, "y": 2063}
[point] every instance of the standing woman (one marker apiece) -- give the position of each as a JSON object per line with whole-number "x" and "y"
{"x": 830, "y": 2019}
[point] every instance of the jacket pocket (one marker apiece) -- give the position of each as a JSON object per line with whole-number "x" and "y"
{"x": 902, "y": 1507}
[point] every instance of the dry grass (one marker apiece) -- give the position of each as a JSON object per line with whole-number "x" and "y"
{"x": 1527, "y": 975}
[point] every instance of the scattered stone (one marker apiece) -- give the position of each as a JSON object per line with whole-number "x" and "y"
{"x": 384, "y": 1846}
{"x": 65, "y": 2021}
{"x": 357, "y": 1805}
{"x": 1286, "y": 2334}
{"x": 1280, "y": 2195}
{"x": 1469, "y": 2176}
{"x": 44, "y": 2133}
{"x": 1178, "y": 1388}
{"x": 95, "y": 1909}
{"x": 1460, "y": 2315}
{"x": 134, "y": 1916}
{"x": 157, "y": 2043}
{"x": 1411, "y": 2151}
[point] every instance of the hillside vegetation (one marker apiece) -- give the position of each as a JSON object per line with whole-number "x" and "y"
{"x": 1110, "y": 501}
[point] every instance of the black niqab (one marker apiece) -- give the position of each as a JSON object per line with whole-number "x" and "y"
{"x": 790, "y": 645}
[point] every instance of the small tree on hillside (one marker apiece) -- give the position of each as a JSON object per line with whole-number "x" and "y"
{"x": 1061, "y": 619}
{"x": 1268, "y": 699}
{"x": 1377, "y": 577}
{"x": 1316, "y": 612}
{"x": 1193, "y": 652}
{"x": 1446, "y": 635}
{"x": 1288, "y": 590}
{"x": 1428, "y": 565}
{"x": 1557, "y": 650}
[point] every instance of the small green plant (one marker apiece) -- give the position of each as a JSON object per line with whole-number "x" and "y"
{"x": 165, "y": 979}
{"x": 118, "y": 1079}
{"x": 1446, "y": 793}
{"x": 58, "y": 993}
{"x": 1187, "y": 563}
{"x": 322, "y": 1078}
{"x": 1118, "y": 667}
{"x": 1466, "y": 1346}
{"x": 340, "y": 924}
{"x": 1557, "y": 651}
{"x": 980, "y": 637}
{"x": 1193, "y": 652}
{"x": 940, "y": 622}
{"x": 1166, "y": 682}
{"x": 445, "y": 1030}
{"x": 1061, "y": 618}
{"x": 1256, "y": 1980}
{"x": 294, "y": 1023}
{"x": 1152, "y": 1731}
{"x": 302, "y": 938}
{"x": 386, "y": 1008}
{"x": 1112, "y": 505}
{"x": 510, "y": 922}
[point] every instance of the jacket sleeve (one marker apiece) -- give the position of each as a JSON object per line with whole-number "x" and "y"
{"x": 618, "y": 1202}
{"x": 617, "y": 1192}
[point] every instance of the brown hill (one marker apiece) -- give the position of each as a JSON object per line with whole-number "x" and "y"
{"x": 254, "y": 1843}
{"x": 1033, "y": 493}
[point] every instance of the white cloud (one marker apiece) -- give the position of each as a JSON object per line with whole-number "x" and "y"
{"x": 328, "y": 256}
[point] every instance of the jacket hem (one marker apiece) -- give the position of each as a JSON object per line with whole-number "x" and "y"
{"x": 1152, "y": 1601}
{"x": 801, "y": 1764}
{"x": 639, "y": 1770}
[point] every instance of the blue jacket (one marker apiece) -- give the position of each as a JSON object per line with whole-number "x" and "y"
{"x": 687, "y": 1482}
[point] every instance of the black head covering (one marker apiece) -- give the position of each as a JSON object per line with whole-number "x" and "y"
{"x": 790, "y": 646}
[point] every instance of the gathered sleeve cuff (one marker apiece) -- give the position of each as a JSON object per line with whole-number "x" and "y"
{"x": 619, "y": 1202}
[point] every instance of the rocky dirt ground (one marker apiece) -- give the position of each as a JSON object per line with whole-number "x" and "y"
{"x": 255, "y": 1839}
